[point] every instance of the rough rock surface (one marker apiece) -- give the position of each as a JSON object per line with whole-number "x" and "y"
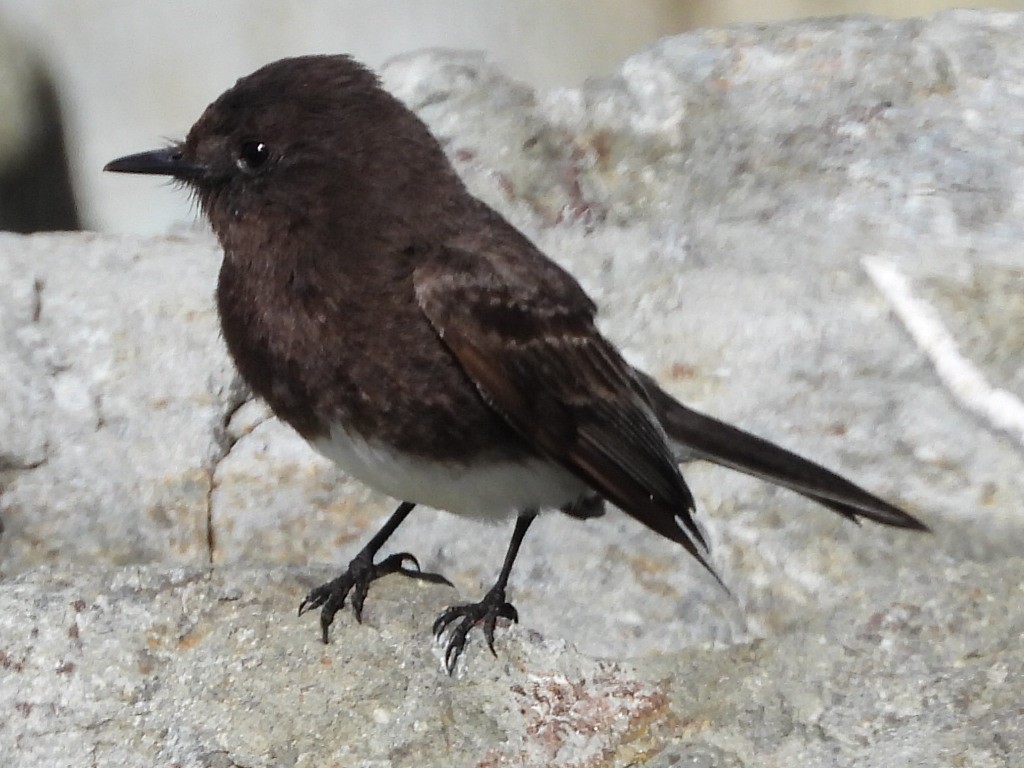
{"x": 146, "y": 666}
{"x": 717, "y": 198}
{"x": 117, "y": 390}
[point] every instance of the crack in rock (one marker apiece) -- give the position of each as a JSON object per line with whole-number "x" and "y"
{"x": 225, "y": 439}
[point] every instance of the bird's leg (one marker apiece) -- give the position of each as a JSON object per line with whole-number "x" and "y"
{"x": 362, "y": 571}
{"x": 487, "y": 610}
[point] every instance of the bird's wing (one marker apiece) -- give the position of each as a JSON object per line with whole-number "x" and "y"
{"x": 524, "y": 334}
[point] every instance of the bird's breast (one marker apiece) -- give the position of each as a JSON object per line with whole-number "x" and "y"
{"x": 488, "y": 489}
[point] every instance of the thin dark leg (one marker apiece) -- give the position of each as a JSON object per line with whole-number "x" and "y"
{"x": 490, "y": 609}
{"x": 362, "y": 571}
{"x": 522, "y": 525}
{"x": 396, "y": 519}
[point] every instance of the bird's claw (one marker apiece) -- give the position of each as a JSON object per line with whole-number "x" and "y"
{"x": 361, "y": 572}
{"x": 488, "y": 611}
{"x": 398, "y": 560}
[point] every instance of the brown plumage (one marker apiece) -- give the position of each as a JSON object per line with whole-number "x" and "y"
{"x": 412, "y": 334}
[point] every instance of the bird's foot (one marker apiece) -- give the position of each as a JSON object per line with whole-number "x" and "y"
{"x": 489, "y": 610}
{"x": 361, "y": 572}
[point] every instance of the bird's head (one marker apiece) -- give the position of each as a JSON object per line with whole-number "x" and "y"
{"x": 304, "y": 140}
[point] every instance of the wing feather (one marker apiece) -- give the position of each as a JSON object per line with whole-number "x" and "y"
{"x": 535, "y": 356}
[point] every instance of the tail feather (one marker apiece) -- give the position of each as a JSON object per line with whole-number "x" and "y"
{"x": 708, "y": 438}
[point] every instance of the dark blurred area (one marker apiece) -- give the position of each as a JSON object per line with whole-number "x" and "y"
{"x": 36, "y": 192}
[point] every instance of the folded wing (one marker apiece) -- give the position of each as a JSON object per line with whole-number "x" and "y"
{"x": 525, "y": 336}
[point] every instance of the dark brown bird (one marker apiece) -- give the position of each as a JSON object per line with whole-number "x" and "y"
{"x": 415, "y": 337}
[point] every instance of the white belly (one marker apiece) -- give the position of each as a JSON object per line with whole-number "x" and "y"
{"x": 490, "y": 491}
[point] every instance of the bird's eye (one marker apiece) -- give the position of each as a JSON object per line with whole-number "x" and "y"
{"x": 253, "y": 155}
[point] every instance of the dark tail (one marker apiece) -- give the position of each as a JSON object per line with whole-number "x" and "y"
{"x": 713, "y": 440}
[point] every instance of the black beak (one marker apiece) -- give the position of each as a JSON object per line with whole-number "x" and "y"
{"x": 159, "y": 162}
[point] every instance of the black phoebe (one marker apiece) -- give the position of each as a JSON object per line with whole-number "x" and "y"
{"x": 415, "y": 337}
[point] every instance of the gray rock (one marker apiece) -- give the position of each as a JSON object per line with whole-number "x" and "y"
{"x": 207, "y": 667}
{"x": 120, "y": 392}
{"x": 717, "y": 197}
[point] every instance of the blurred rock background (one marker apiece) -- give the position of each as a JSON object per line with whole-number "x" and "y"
{"x": 109, "y": 77}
